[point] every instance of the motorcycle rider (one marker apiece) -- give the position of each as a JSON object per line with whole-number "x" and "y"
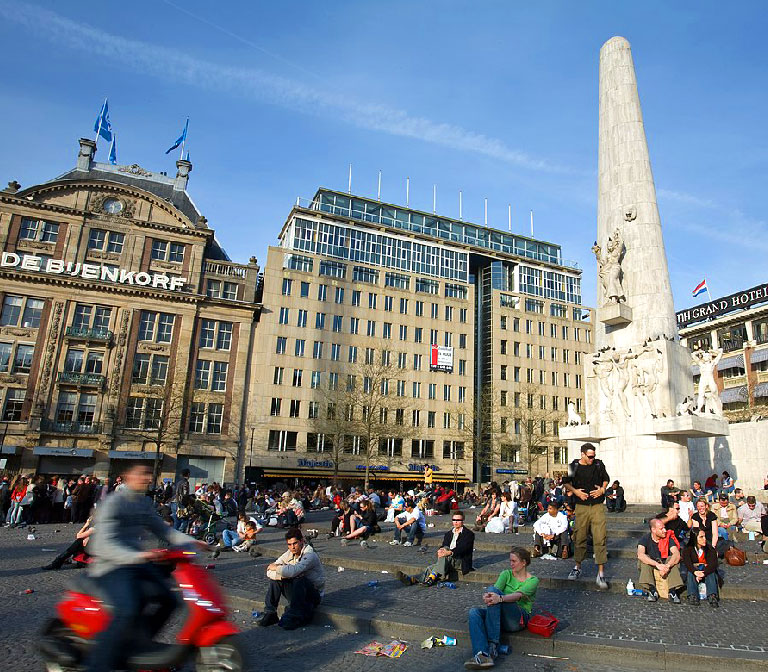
{"x": 125, "y": 522}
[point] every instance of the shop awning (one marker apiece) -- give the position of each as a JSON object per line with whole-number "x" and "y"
{"x": 761, "y": 390}
{"x": 373, "y": 475}
{"x": 10, "y": 450}
{"x": 758, "y": 356}
{"x": 62, "y": 452}
{"x": 132, "y": 455}
{"x": 732, "y": 395}
{"x": 735, "y": 361}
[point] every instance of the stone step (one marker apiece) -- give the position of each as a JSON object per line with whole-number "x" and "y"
{"x": 742, "y": 583}
{"x": 377, "y": 614}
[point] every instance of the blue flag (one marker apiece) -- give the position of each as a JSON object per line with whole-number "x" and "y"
{"x": 180, "y": 139}
{"x": 102, "y": 126}
{"x": 113, "y": 150}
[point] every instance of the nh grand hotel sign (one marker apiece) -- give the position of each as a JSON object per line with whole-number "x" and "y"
{"x": 728, "y": 304}
{"x": 31, "y": 262}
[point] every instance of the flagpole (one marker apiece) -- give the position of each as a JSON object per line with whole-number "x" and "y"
{"x": 184, "y": 141}
{"x": 708, "y": 294}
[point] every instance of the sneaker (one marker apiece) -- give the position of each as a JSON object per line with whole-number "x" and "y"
{"x": 575, "y": 574}
{"x": 407, "y": 543}
{"x": 674, "y": 598}
{"x": 481, "y": 661}
{"x": 344, "y": 542}
{"x": 253, "y": 552}
{"x": 364, "y": 544}
{"x": 714, "y": 601}
{"x": 564, "y": 553}
{"x": 602, "y": 584}
{"x": 216, "y": 553}
{"x": 517, "y": 530}
{"x": 394, "y": 542}
{"x": 536, "y": 552}
{"x": 405, "y": 579}
{"x": 548, "y": 556}
{"x": 694, "y": 600}
{"x": 653, "y": 596}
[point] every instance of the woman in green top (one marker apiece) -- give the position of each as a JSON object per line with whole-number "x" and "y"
{"x": 507, "y": 607}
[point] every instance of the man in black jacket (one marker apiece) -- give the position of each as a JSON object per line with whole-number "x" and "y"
{"x": 454, "y": 555}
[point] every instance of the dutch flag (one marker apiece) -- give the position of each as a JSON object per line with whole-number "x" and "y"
{"x": 701, "y": 288}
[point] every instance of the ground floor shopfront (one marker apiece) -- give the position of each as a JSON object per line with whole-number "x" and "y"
{"x": 309, "y": 472}
{"x": 102, "y": 463}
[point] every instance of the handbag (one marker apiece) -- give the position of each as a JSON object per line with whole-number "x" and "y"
{"x": 27, "y": 499}
{"x": 543, "y": 624}
{"x": 735, "y": 557}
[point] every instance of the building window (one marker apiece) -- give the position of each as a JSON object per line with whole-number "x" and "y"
{"x": 417, "y": 362}
{"x": 416, "y": 390}
{"x": 314, "y": 381}
{"x": 143, "y": 413}
{"x": 149, "y": 369}
{"x": 430, "y": 419}
{"x": 282, "y": 440}
{"x": 301, "y": 320}
{"x": 453, "y": 450}
{"x": 319, "y": 320}
{"x": 215, "y": 332}
{"x": 280, "y": 346}
{"x": 274, "y": 409}
{"x": 295, "y": 408}
{"x": 109, "y": 241}
{"x": 303, "y": 290}
{"x": 317, "y": 350}
{"x": 298, "y": 349}
{"x": 38, "y": 229}
{"x": 352, "y": 354}
{"x": 156, "y": 327}
{"x": 22, "y": 361}
{"x": 337, "y": 322}
{"x": 19, "y": 311}
{"x": 287, "y": 284}
{"x": 283, "y": 318}
{"x": 277, "y": 379}
{"x": 314, "y": 410}
{"x": 322, "y": 292}
{"x": 339, "y": 298}
{"x": 560, "y": 454}
{"x": 355, "y": 297}
{"x": 164, "y": 251}
{"x": 297, "y": 376}
{"x": 510, "y": 453}
{"x": 14, "y": 402}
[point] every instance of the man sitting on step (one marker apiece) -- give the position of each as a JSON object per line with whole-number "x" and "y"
{"x": 454, "y": 555}
{"x": 658, "y": 555}
{"x": 412, "y": 522}
{"x": 550, "y": 533}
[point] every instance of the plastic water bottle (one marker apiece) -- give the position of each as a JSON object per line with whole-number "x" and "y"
{"x": 630, "y": 587}
{"x": 702, "y": 591}
{"x": 448, "y": 584}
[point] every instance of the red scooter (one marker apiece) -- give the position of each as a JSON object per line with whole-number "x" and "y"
{"x": 206, "y": 635}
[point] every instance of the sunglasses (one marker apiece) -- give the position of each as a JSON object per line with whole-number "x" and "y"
{"x": 590, "y": 457}
{"x": 457, "y": 520}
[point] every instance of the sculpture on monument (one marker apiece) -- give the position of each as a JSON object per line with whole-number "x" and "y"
{"x": 609, "y": 268}
{"x": 621, "y": 364}
{"x": 648, "y": 364}
{"x": 709, "y": 398}
{"x": 602, "y": 366}
{"x": 574, "y": 419}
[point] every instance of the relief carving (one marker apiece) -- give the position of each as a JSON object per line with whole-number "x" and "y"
{"x": 50, "y": 349}
{"x": 12, "y": 379}
{"x": 23, "y": 332}
{"x": 134, "y": 169}
{"x": 35, "y": 245}
{"x": 97, "y": 207}
{"x": 103, "y": 256}
{"x": 647, "y": 365}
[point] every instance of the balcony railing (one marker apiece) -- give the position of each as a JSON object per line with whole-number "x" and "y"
{"x": 226, "y": 268}
{"x": 731, "y": 344}
{"x": 70, "y": 427}
{"x": 761, "y": 338}
{"x": 83, "y": 379}
{"x": 86, "y": 334}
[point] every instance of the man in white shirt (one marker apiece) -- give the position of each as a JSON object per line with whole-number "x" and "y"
{"x": 550, "y": 533}
{"x": 412, "y": 521}
{"x": 750, "y": 515}
{"x": 687, "y": 508}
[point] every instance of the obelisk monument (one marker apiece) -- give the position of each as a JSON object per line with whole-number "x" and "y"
{"x": 639, "y": 379}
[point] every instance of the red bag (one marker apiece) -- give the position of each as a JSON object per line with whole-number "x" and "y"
{"x": 543, "y": 624}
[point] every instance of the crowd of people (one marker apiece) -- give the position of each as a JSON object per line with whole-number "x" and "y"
{"x": 680, "y": 553}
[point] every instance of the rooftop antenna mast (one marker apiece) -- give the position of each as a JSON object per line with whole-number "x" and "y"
{"x": 349, "y": 188}
{"x": 407, "y": 192}
{"x": 531, "y": 223}
{"x": 509, "y": 215}
{"x": 378, "y": 190}
{"x": 486, "y": 212}
{"x": 434, "y": 199}
{"x": 460, "y": 207}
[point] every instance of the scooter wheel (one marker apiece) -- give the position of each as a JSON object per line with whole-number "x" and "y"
{"x": 225, "y": 655}
{"x": 210, "y": 539}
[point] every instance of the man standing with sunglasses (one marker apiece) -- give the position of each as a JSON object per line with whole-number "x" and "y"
{"x": 587, "y": 483}
{"x": 454, "y": 555}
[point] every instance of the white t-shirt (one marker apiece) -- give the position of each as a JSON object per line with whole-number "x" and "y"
{"x": 686, "y": 511}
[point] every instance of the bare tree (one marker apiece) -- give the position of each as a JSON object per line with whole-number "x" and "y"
{"x": 158, "y": 419}
{"x": 479, "y": 424}
{"x": 334, "y": 419}
{"x": 534, "y": 421}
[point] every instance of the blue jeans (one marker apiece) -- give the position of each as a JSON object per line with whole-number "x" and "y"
{"x": 710, "y": 581}
{"x": 413, "y": 531}
{"x": 486, "y": 623}
{"x": 230, "y": 538}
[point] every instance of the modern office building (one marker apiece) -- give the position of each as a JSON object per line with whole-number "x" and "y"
{"x": 449, "y": 335}
{"x": 123, "y": 323}
{"x": 739, "y": 325}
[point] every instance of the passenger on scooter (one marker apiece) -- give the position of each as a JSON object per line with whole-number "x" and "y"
{"x": 123, "y": 567}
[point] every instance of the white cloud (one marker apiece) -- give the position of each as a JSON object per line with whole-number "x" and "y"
{"x": 253, "y": 83}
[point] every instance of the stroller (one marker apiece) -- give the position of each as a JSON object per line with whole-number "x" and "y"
{"x": 206, "y": 528}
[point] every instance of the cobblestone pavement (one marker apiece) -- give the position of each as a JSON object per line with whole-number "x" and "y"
{"x": 739, "y": 624}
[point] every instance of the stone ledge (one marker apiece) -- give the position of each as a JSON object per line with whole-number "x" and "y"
{"x": 585, "y": 432}
{"x": 691, "y": 425}
{"x": 615, "y": 314}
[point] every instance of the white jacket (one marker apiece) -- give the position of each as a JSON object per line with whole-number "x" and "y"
{"x": 549, "y": 525}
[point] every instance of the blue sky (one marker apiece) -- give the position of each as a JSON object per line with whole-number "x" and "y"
{"x": 496, "y": 98}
